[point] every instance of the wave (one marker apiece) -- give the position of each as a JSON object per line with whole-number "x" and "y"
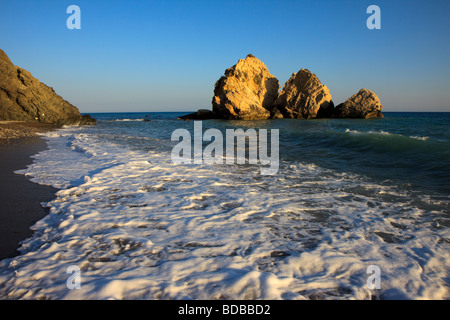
{"x": 419, "y": 138}
{"x": 367, "y": 132}
{"x": 127, "y": 120}
{"x": 385, "y": 133}
{"x": 139, "y": 226}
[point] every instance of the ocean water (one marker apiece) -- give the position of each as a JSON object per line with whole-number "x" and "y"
{"x": 349, "y": 194}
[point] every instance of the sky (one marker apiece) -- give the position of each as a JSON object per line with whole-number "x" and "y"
{"x": 145, "y": 56}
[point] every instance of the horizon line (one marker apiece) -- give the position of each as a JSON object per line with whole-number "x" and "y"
{"x": 196, "y": 111}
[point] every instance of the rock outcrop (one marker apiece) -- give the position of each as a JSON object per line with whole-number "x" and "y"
{"x": 247, "y": 91}
{"x": 25, "y": 98}
{"x": 201, "y": 114}
{"x": 304, "y": 97}
{"x": 365, "y": 104}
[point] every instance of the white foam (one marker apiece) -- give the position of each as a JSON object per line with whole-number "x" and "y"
{"x": 419, "y": 138}
{"x": 367, "y": 132}
{"x": 381, "y": 132}
{"x": 139, "y": 226}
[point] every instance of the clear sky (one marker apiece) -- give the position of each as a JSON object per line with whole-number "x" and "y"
{"x": 167, "y": 55}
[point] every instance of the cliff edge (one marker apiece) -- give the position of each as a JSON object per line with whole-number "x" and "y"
{"x": 25, "y": 98}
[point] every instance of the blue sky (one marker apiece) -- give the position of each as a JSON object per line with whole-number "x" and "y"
{"x": 167, "y": 55}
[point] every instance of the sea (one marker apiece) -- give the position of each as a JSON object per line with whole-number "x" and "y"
{"x": 358, "y": 209}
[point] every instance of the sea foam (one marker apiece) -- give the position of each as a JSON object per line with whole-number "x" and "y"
{"x": 140, "y": 227}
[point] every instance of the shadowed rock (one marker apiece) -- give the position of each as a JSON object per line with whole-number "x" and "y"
{"x": 364, "y": 105}
{"x": 304, "y": 97}
{"x": 201, "y": 114}
{"x": 25, "y": 98}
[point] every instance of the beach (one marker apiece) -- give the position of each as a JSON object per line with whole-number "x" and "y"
{"x": 11, "y": 131}
{"x": 20, "y": 198}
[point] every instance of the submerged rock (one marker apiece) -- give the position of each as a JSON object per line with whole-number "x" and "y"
{"x": 25, "y": 98}
{"x": 201, "y": 114}
{"x": 304, "y": 97}
{"x": 247, "y": 91}
{"x": 365, "y": 104}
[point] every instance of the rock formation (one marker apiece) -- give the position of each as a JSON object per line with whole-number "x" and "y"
{"x": 246, "y": 91}
{"x": 25, "y": 98}
{"x": 201, "y": 114}
{"x": 365, "y": 104}
{"x": 304, "y": 97}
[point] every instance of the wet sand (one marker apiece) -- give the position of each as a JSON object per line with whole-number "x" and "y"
{"x": 20, "y": 199}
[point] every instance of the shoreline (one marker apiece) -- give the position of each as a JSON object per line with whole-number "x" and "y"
{"x": 19, "y": 197}
{"x": 10, "y": 131}
{"x": 140, "y": 228}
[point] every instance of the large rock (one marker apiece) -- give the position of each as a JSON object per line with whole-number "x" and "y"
{"x": 304, "y": 97}
{"x": 25, "y": 98}
{"x": 246, "y": 91}
{"x": 365, "y": 104}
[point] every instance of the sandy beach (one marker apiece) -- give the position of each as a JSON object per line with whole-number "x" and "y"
{"x": 20, "y": 198}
